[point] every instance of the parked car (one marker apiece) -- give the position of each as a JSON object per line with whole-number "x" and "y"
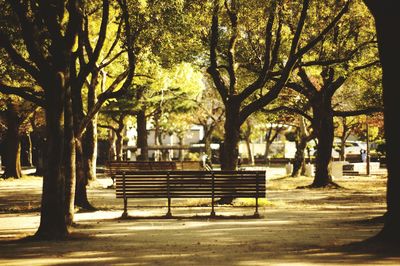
{"x": 354, "y": 147}
{"x": 335, "y": 154}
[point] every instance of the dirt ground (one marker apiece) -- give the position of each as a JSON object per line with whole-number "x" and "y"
{"x": 297, "y": 227}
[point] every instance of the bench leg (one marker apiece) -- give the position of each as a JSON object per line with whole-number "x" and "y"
{"x": 256, "y": 214}
{"x": 125, "y": 213}
{"x": 212, "y": 214}
{"x": 169, "y": 214}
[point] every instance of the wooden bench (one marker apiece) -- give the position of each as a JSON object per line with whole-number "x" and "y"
{"x": 190, "y": 184}
{"x": 114, "y": 167}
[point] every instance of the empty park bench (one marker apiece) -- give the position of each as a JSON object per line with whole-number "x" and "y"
{"x": 190, "y": 184}
{"x": 114, "y": 167}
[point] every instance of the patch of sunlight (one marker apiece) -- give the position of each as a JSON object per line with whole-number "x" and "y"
{"x": 86, "y": 254}
{"x": 266, "y": 262}
{"x": 100, "y": 235}
{"x": 97, "y": 215}
{"x": 58, "y": 261}
{"x": 160, "y": 256}
{"x": 249, "y": 202}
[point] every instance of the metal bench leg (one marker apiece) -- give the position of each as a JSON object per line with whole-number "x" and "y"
{"x": 256, "y": 214}
{"x": 169, "y": 214}
{"x": 125, "y": 213}
{"x": 212, "y": 214}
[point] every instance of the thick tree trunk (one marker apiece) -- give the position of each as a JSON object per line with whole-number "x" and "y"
{"x": 40, "y": 158}
{"x": 69, "y": 167}
{"x": 53, "y": 224}
{"x": 142, "y": 144}
{"x": 90, "y": 136}
{"x": 12, "y": 153}
{"x": 81, "y": 197}
{"x": 386, "y": 19}
{"x": 230, "y": 152}
{"x": 323, "y": 116}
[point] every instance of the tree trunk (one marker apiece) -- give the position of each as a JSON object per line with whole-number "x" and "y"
{"x": 90, "y": 136}
{"x": 12, "y": 153}
{"x": 119, "y": 145}
{"x": 323, "y": 115}
{"x": 53, "y": 224}
{"x": 142, "y": 136}
{"x": 69, "y": 163}
{"x": 112, "y": 153}
{"x": 29, "y": 150}
{"x": 207, "y": 141}
{"x": 181, "y": 154}
{"x": 266, "y": 153}
{"x": 386, "y": 17}
{"x": 250, "y": 151}
{"x": 90, "y": 150}
{"x": 81, "y": 197}
{"x": 301, "y": 143}
{"x": 230, "y": 152}
{"x": 342, "y": 153}
{"x": 299, "y": 160}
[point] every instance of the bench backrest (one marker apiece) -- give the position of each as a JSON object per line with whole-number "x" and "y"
{"x": 122, "y": 166}
{"x": 190, "y": 184}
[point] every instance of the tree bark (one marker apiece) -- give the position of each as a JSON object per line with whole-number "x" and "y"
{"x": 142, "y": 144}
{"x": 29, "y": 149}
{"x": 81, "y": 196}
{"x": 301, "y": 143}
{"x": 53, "y": 224}
{"x": 386, "y": 19}
{"x": 299, "y": 159}
{"x": 12, "y": 154}
{"x": 90, "y": 150}
{"x": 230, "y": 152}
{"x": 112, "y": 153}
{"x": 207, "y": 144}
{"x": 90, "y": 136}
{"x": 323, "y": 119}
{"x": 119, "y": 145}
{"x": 69, "y": 167}
{"x": 229, "y": 158}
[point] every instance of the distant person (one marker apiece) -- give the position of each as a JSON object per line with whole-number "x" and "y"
{"x": 206, "y": 164}
{"x": 363, "y": 154}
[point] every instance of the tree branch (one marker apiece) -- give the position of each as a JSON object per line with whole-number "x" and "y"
{"x": 18, "y": 59}
{"x": 213, "y": 68}
{"x": 366, "y": 111}
{"x": 288, "y": 109}
{"x": 24, "y": 92}
{"x": 328, "y": 28}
